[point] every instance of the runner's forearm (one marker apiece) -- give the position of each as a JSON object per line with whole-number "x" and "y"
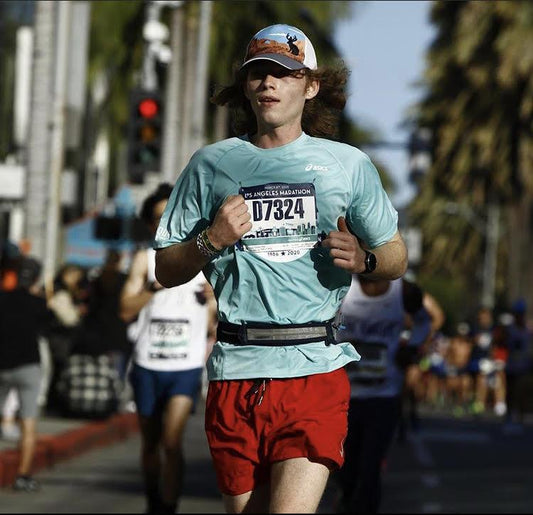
{"x": 131, "y": 305}
{"x": 391, "y": 259}
{"x": 179, "y": 263}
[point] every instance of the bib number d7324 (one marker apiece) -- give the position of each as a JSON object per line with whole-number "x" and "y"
{"x": 279, "y": 209}
{"x": 284, "y": 220}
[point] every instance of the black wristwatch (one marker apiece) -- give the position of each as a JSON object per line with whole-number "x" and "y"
{"x": 370, "y": 262}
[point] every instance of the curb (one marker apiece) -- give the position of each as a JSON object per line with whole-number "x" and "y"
{"x": 51, "y": 449}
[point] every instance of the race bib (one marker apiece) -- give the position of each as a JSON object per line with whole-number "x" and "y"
{"x": 169, "y": 339}
{"x": 372, "y": 367}
{"x": 284, "y": 220}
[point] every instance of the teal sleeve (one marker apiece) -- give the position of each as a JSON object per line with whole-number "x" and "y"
{"x": 188, "y": 209}
{"x": 371, "y": 214}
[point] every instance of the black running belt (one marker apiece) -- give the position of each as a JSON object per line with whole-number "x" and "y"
{"x": 255, "y": 333}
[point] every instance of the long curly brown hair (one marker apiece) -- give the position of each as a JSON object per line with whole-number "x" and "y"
{"x": 320, "y": 116}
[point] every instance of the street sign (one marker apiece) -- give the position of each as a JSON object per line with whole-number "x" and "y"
{"x": 12, "y": 181}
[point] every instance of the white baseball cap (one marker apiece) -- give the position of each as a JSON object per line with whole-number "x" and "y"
{"x": 282, "y": 44}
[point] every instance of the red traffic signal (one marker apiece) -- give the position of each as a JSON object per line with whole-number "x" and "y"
{"x": 148, "y": 108}
{"x": 145, "y": 136}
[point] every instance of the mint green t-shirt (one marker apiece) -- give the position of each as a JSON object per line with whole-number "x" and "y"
{"x": 278, "y": 272}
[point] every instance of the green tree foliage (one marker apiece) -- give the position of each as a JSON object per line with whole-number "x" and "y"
{"x": 235, "y": 21}
{"x": 479, "y": 107}
{"x": 115, "y": 56}
{"x": 116, "y": 51}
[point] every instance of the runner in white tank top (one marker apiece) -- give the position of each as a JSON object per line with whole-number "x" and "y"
{"x": 373, "y": 316}
{"x": 168, "y": 330}
{"x": 170, "y": 333}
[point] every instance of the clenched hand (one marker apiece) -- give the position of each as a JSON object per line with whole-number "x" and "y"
{"x": 345, "y": 249}
{"x": 231, "y": 222}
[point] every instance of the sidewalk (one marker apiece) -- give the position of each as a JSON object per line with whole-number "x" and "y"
{"x": 60, "y": 438}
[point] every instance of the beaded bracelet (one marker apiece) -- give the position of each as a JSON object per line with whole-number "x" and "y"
{"x": 205, "y": 246}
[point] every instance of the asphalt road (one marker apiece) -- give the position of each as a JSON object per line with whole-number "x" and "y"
{"x": 108, "y": 480}
{"x": 464, "y": 465}
{"x": 449, "y": 466}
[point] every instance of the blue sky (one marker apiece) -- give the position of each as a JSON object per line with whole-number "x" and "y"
{"x": 384, "y": 45}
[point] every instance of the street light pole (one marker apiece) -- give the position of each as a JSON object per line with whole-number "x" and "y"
{"x": 154, "y": 33}
{"x": 491, "y": 254}
{"x": 173, "y": 93}
{"x": 489, "y": 228}
{"x": 200, "y": 77}
{"x": 38, "y": 159}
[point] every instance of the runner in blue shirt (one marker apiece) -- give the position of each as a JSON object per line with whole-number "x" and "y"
{"x": 278, "y": 219}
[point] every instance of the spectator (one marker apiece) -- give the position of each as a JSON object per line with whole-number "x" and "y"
{"x": 413, "y": 391}
{"x": 68, "y": 301}
{"x": 487, "y": 363}
{"x": 482, "y": 335}
{"x": 70, "y": 294}
{"x": 458, "y": 379}
{"x": 9, "y": 255}
{"x": 518, "y": 338}
{"x": 433, "y": 366}
{"x": 23, "y": 317}
{"x": 90, "y": 383}
{"x": 102, "y": 326}
{"x": 10, "y": 427}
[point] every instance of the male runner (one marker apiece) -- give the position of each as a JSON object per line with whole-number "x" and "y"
{"x": 278, "y": 218}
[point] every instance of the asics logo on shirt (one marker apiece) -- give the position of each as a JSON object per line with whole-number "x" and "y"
{"x": 316, "y": 168}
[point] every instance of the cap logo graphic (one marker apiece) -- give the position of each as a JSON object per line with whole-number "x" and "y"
{"x": 291, "y": 47}
{"x": 283, "y": 44}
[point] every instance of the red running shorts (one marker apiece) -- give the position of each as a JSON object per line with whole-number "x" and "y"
{"x": 251, "y": 424}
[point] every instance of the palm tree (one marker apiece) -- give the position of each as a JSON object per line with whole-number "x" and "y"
{"x": 479, "y": 107}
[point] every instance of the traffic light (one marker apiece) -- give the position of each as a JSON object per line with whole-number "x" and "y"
{"x": 145, "y": 134}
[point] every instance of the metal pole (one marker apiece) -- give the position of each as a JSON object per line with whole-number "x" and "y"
{"x": 200, "y": 97}
{"x": 57, "y": 139}
{"x": 491, "y": 254}
{"x": 189, "y": 85}
{"x": 78, "y": 45}
{"x": 489, "y": 228}
{"x": 149, "y": 75}
{"x": 38, "y": 130}
{"x": 172, "y": 104}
